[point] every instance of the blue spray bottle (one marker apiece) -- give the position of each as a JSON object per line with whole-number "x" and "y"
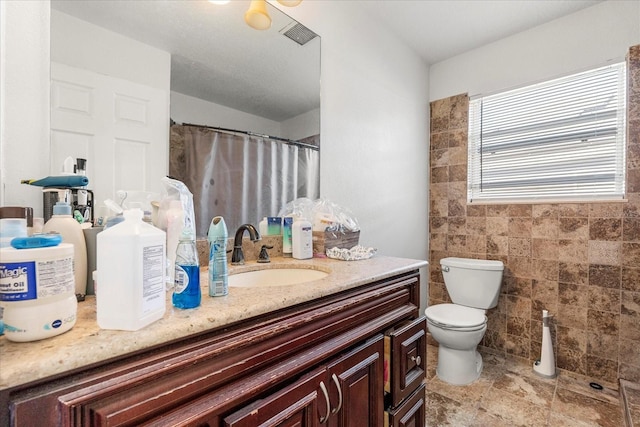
{"x": 218, "y": 272}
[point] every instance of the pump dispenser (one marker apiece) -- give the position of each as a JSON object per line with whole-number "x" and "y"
{"x": 62, "y": 222}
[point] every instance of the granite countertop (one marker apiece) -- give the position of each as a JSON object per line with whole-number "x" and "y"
{"x": 87, "y": 344}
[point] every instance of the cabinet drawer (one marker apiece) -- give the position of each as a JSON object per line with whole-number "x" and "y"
{"x": 405, "y": 359}
{"x": 410, "y": 413}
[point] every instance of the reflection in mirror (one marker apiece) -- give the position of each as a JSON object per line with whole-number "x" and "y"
{"x": 217, "y": 71}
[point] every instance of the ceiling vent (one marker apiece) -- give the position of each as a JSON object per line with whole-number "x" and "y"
{"x": 299, "y": 34}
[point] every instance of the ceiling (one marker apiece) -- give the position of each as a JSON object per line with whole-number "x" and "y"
{"x": 195, "y": 36}
{"x": 215, "y": 56}
{"x": 440, "y": 29}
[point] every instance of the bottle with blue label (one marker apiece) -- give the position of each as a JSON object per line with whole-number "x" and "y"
{"x": 186, "y": 291}
{"x": 218, "y": 271}
{"x": 37, "y": 291}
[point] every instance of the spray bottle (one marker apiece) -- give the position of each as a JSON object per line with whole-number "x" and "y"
{"x": 218, "y": 272}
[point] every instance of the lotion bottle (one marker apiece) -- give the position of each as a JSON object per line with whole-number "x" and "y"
{"x": 302, "y": 239}
{"x": 62, "y": 222}
{"x": 263, "y": 227}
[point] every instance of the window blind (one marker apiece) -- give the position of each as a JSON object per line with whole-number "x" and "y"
{"x": 559, "y": 140}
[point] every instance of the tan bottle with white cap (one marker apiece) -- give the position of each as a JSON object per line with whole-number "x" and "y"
{"x": 62, "y": 222}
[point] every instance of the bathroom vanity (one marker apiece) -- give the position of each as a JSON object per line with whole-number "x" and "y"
{"x": 345, "y": 350}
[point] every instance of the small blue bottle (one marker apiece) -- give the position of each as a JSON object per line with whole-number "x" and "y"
{"x": 186, "y": 291}
{"x": 218, "y": 271}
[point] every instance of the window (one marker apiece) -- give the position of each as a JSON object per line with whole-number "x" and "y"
{"x": 561, "y": 140}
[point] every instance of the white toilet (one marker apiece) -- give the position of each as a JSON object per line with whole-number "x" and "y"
{"x": 474, "y": 287}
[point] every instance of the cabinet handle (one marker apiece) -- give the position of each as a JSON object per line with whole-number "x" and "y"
{"x": 337, "y": 383}
{"x": 416, "y": 359}
{"x": 326, "y": 397}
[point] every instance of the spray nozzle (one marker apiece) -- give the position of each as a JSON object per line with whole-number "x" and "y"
{"x": 113, "y": 206}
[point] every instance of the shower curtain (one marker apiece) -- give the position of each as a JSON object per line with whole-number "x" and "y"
{"x": 242, "y": 177}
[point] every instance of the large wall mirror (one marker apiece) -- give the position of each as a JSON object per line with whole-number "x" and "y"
{"x": 215, "y": 70}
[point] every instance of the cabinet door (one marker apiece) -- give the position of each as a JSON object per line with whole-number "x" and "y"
{"x": 411, "y": 413}
{"x": 408, "y": 359}
{"x": 303, "y": 403}
{"x": 356, "y": 386}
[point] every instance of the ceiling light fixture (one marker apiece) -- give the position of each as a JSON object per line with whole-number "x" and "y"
{"x": 257, "y": 16}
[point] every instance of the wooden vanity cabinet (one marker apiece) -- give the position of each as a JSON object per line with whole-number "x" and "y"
{"x": 346, "y": 392}
{"x": 317, "y": 363}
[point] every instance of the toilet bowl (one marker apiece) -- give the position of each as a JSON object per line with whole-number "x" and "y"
{"x": 473, "y": 286}
{"x": 458, "y": 331}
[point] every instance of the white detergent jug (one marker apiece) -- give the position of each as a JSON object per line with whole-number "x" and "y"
{"x": 130, "y": 292}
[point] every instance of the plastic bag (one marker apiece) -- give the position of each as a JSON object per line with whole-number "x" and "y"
{"x": 176, "y": 217}
{"x": 323, "y": 214}
{"x": 175, "y": 195}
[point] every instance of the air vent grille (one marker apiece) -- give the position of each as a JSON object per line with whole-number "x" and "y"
{"x": 300, "y": 34}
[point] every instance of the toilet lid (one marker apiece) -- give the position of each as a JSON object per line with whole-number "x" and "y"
{"x": 456, "y": 315}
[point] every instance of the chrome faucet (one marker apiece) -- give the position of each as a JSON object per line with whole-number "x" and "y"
{"x": 237, "y": 257}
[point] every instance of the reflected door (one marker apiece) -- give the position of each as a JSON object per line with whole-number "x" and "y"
{"x": 120, "y": 127}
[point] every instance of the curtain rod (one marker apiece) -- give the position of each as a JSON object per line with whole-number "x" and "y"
{"x": 246, "y": 132}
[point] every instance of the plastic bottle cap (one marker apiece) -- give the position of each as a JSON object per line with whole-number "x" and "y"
{"x": 62, "y": 208}
{"x": 186, "y": 236}
{"x": 13, "y": 227}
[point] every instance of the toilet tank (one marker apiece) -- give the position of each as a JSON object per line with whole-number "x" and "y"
{"x": 472, "y": 282}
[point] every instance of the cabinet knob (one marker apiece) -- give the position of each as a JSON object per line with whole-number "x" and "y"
{"x": 416, "y": 359}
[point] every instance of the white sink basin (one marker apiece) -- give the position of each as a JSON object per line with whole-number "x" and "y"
{"x": 275, "y": 277}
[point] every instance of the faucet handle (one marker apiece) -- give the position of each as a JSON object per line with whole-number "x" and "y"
{"x": 264, "y": 255}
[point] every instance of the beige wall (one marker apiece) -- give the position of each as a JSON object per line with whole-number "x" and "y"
{"x": 579, "y": 261}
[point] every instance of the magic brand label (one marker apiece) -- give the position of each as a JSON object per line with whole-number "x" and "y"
{"x": 18, "y": 281}
{"x": 29, "y": 280}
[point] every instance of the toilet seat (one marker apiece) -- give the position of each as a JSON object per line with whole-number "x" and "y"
{"x": 456, "y": 317}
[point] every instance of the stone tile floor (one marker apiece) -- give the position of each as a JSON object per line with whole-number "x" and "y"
{"x": 509, "y": 393}
{"x": 631, "y": 396}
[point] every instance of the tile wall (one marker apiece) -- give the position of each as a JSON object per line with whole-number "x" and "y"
{"x": 579, "y": 261}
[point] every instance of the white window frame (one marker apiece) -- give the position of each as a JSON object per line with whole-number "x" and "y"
{"x": 563, "y": 140}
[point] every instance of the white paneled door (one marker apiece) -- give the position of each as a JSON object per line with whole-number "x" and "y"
{"x": 120, "y": 127}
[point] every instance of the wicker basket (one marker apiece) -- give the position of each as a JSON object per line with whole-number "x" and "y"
{"x": 323, "y": 240}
